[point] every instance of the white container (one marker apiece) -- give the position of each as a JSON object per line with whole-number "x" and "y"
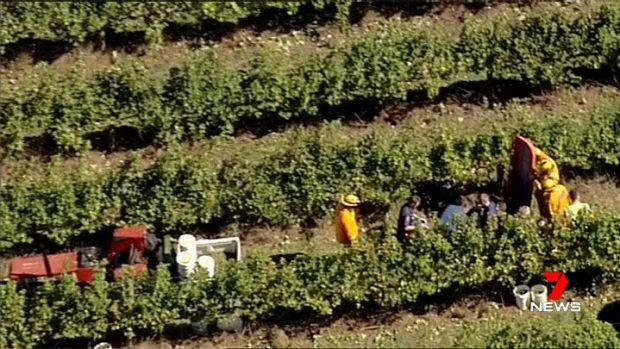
{"x": 230, "y": 324}
{"x": 539, "y": 294}
{"x": 186, "y": 262}
{"x": 186, "y": 255}
{"x": 208, "y": 263}
{"x": 103, "y": 345}
{"x": 187, "y": 241}
{"x": 522, "y": 296}
{"x": 230, "y": 246}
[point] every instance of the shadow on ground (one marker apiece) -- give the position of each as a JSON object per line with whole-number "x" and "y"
{"x": 611, "y": 314}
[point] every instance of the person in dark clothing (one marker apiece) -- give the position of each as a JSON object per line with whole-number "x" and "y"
{"x": 485, "y": 208}
{"x": 409, "y": 218}
{"x": 491, "y": 206}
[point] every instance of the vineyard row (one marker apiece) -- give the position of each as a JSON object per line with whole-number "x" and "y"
{"x": 292, "y": 183}
{"x": 370, "y": 276}
{"x": 79, "y": 21}
{"x": 208, "y": 95}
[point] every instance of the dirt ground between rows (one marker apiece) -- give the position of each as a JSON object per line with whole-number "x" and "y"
{"x": 602, "y": 191}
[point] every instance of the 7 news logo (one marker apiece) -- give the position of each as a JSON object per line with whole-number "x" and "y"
{"x": 561, "y": 281}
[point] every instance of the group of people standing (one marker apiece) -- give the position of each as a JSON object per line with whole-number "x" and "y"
{"x": 411, "y": 217}
{"x": 553, "y": 197}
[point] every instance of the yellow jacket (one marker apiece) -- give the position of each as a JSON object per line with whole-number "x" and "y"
{"x": 557, "y": 200}
{"x": 546, "y": 169}
{"x": 347, "y": 229}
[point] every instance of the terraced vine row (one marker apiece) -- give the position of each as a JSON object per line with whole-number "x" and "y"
{"x": 76, "y": 22}
{"x": 297, "y": 181}
{"x": 79, "y": 21}
{"x": 369, "y": 276}
{"x": 208, "y": 96}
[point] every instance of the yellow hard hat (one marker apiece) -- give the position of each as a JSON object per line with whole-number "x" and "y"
{"x": 350, "y": 200}
{"x": 549, "y": 183}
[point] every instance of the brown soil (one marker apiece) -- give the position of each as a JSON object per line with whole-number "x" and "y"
{"x": 603, "y": 191}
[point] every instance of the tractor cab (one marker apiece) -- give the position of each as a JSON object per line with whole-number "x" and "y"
{"x": 132, "y": 247}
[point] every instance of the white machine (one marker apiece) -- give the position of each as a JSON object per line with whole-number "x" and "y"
{"x": 192, "y": 253}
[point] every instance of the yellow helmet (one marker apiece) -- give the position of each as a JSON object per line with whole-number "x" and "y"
{"x": 549, "y": 183}
{"x": 350, "y": 200}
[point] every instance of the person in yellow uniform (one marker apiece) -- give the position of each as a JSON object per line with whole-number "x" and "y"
{"x": 556, "y": 198}
{"x": 555, "y": 195}
{"x": 546, "y": 168}
{"x": 347, "y": 229}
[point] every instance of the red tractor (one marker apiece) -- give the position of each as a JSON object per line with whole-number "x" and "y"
{"x": 133, "y": 247}
{"x": 130, "y": 247}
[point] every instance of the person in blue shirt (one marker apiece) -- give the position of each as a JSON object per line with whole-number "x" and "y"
{"x": 447, "y": 217}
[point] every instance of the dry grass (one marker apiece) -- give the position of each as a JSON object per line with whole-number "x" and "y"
{"x": 236, "y": 46}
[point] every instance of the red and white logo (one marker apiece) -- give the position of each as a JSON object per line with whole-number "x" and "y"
{"x": 561, "y": 281}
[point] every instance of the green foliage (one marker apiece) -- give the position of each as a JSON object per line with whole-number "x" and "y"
{"x": 558, "y": 331}
{"x": 208, "y": 96}
{"x": 522, "y": 47}
{"x": 380, "y": 275}
{"x": 296, "y": 181}
{"x": 14, "y": 329}
{"x": 79, "y": 21}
